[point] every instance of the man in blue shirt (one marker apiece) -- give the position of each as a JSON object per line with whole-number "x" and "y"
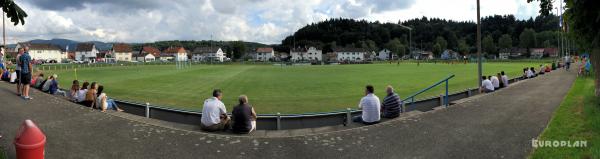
{"x": 26, "y": 69}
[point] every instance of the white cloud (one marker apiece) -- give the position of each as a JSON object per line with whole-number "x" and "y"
{"x": 267, "y": 21}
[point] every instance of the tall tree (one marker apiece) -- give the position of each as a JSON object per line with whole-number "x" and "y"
{"x": 505, "y": 41}
{"x": 527, "y": 38}
{"x": 488, "y": 45}
{"x": 442, "y": 43}
{"x": 239, "y": 49}
{"x": 463, "y": 47}
{"x": 437, "y": 49}
{"x": 396, "y": 47}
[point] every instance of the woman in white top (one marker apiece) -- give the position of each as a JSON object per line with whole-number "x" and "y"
{"x": 80, "y": 97}
{"x": 104, "y": 102}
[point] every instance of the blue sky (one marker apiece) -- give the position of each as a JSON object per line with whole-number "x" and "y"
{"x": 266, "y": 21}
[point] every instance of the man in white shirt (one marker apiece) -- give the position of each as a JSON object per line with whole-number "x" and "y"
{"x": 529, "y": 73}
{"x": 370, "y": 106}
{"x": 214, "y": 113}
{"x": 495, "y": 82}
{"x": 486, "y": 85}
{"x": 504, "y": 79}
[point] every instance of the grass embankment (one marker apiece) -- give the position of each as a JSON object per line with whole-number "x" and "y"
{"x": 577, "y": 119}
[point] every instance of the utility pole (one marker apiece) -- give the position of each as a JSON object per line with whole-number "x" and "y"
{"x": 479, "y": 45}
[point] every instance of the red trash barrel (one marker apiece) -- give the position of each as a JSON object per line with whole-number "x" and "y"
{"x": 30, "y": 141}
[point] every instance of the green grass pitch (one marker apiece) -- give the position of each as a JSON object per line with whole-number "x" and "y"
{"x": 271, "y": 89}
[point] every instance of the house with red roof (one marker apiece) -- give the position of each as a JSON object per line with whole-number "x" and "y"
{"x": 174, "y": 54}
{"x": 122, "y": 52}
{"x": 147, "y": 54}
{"x": 264, "y": 54}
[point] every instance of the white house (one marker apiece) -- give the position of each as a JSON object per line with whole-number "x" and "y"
{"x": 384, "y": 54}
{"x": 208, "y": 54}
{"x": 174, "y": 53}
{"x": 537, "y": 52}
{"x": 350, "y": 54}
{"x": 44, "y": 52}
{"x": 86, "y": 52}
{"x": 264, "y": 54}
{"x": 147, "y": 54}
{"x": 122, "y": 52}
{"x": 304, "y": 54}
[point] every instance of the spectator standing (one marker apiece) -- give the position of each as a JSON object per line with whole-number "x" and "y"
{"x": 26, "y": 69}
{"x": 18, "y": 72}
{"x": 370, "y": 106}
{"x": 243, "y": 117}
{"x": 392, "y": 104}
{"x": 214, "y": 113}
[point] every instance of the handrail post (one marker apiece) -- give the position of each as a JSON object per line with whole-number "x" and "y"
{"x": 278, "y": 121}
{"x": 469, "y": 92}
{"x": 441, "y": 99}
{"x": 348, "y": 116}
{"x": 446, "y": 100}
{"x": 403, "y": 108}
{"x": 147, "y": 110}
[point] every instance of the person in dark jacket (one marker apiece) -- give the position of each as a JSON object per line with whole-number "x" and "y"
{"x": 243, "y": 117}
{"x": 392, "y": 104}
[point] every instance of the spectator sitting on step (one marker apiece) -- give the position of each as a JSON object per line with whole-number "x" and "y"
{"x": 499, "y": 76}
{"x": 370, "y": 105}
{"x": 392, "y": 104}
{"x": 104, "y": 102}
{"x": 90, "y": 96}
{"x": 486, "y": 85}
{"x": 47, "y": 83}
{"x": 55, "y": 88}
{"x": 495, "y": 82}
{"x": 38, "y": 81}
{"x": 214, "y": 114}
{"x": 525, "y": 73}
{"x": 504, "y": 79}
{"x": 80, "y": 97}
{"x": 542, "y": 69}
{"x": 13, "y": 76}
{"x": 243, "y": 117}
{"x": 5, "y": 75}
{"x": 531, "y": 73}
{"x": 73, "y": 91}
{"x": 548, "y": 68}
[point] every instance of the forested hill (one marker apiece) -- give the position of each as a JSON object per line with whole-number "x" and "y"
{"x": 428, "y": 34}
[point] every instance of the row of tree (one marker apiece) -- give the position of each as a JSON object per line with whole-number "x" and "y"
{"x": 428, "y": 34}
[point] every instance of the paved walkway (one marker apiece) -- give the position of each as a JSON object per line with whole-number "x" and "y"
{"x": 497, "y": 125}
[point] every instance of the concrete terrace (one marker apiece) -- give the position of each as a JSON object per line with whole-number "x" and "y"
{"x": 497, "y": 125}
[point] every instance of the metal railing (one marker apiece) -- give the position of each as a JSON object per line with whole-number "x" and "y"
{"x": 444, "y": 98}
